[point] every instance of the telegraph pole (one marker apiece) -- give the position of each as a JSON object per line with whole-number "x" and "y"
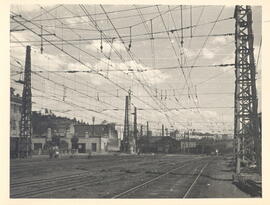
{"x": 26, "y": 124}
{"x": 246, "y": 131}
{"x": 162, "y": 134}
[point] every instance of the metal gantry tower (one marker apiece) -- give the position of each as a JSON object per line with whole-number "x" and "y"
{"x": 246, "y": 133}
{"x": 126, "y": 134}
{"x": 135, "y": 131}
{"x": 26, "y": 112}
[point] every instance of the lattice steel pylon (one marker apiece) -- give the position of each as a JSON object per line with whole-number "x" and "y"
{"x": 26, "y": 125}
{"x": 126, "y": 135}
{"x": 246, "y": 132}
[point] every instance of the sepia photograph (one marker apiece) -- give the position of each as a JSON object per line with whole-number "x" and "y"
{"x": 135, "y": 101}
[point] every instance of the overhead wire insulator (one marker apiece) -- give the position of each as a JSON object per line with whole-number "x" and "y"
{"x": 64, "y": 94}
{"x": 41, "y": 32}
{"x": 109, "y": 58}
{"x": 152, "y": 35}
{"x": 130, "y": 38}
{"x": 111, "y": 49}
{"x": 41, "y": 39}
{"x": 101, "y": 46}
{"x": 196, "y": 94}
{"x": 62, "y": 46}
{"x": 182, "y": 34}
{"x": 80, "y": 48}
{"x": 190, "y": 21}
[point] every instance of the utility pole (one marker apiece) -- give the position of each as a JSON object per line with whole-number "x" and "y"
{"x": 246, "y": 131}
{"x": 25, "y": 141}
{"x": 162, "y": 134}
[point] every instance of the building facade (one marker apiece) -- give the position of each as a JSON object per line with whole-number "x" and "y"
{"x": 98, "y": 138}
{"x": 48, "y": 130}
{"x": 15, "y": 114}
{"x": 15, "y": 120}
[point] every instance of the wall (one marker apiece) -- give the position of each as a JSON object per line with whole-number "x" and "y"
{"x": 101, "y": 143}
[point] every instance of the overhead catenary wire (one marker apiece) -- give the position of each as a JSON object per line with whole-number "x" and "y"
{"x": 81, "y": 16}
{"x": 132, "y": 57}
{"x": 113, "y": 57}
{"x": 79, "y": 61}
{"x": 91, "y": 19}
{"x": 129, "y": 53}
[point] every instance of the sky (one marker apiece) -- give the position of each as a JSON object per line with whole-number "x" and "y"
{"x": 199, "y": 98}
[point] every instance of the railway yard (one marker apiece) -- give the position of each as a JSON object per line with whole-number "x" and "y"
{"x": 103, "y": 104}
{"x": 124, "y": 176}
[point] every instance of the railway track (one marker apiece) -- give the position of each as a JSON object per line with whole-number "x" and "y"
{"x": 134, "y": 189}
{"x": 51, "y": 184}
{"x": 194, "y": 182}
{"x": 47, "y": 180}
{"x": 25, "y": 165}
{"x": 27, "y": 189}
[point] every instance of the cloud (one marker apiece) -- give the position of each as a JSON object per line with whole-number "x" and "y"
{"x": 228, "y": 60}
{"x": 39, "y": 60}
{"x": 256, "y": 52}
{"x": 211, "y": 115}
{"x": 76, "y": 20}
{"x": 123, "y": 72}
{"x": 189, "y": 53}
{"x": 120, "y": 72}
{"x": 206, "y": 53}
{"x": 222, "y": 40}
{"x": 28, "y": 7}
{"x": 95, "y": 45}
